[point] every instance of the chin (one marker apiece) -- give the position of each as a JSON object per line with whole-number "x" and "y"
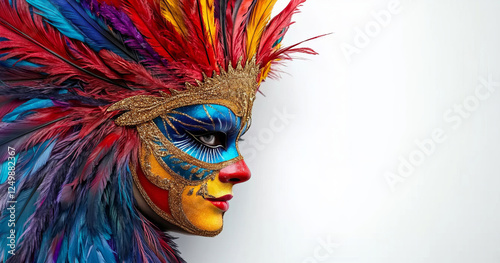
{"x": 211, "y": 225}
{"x": 203, "y": 215}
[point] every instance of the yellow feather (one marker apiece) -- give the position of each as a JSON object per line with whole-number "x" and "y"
{"x": 172, "y": 12}
{"x": 264, "y": 72}
{"x": 261, "y": 14}
{"x": 207, "y": 10}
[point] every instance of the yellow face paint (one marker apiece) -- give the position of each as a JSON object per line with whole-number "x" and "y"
{"x": 197, "y": 207}
{"x": 201, "y": 212}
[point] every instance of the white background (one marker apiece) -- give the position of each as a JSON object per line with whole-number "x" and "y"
{"x": 323, "y": 178}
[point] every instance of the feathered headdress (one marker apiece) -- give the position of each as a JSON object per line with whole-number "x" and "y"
{"x": 75, "y": 76}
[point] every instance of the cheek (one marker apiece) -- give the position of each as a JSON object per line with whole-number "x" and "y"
{"x": 158, "y": 196}
{"x": 200, "y": 212}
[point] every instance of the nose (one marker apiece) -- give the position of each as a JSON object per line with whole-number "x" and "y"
{"x": 235, "y": 173}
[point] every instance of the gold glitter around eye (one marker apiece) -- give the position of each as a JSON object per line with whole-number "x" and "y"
{"x": 160, "y": 147}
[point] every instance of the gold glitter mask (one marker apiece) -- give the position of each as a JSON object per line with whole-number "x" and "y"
{"x": 170, "y": 180}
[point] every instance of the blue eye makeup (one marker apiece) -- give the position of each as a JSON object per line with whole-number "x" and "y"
{"x": 206, "y": 132}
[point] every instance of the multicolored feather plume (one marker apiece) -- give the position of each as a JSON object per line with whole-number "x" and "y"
{"x": 62, "y": 64}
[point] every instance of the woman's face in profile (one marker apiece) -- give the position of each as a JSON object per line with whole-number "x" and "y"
{"x": 189, "y": 162}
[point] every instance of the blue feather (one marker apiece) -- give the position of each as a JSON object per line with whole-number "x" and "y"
{"x": 4, "y": 170}
{"x": 55, "y": 18}
{"x": 41, "y": 156}
{"x": 12, "y": 62}
{"x": 94, "y": 255}
{"x": 42, "y": 258}
{"x": 63, "y": 252}
{"x": 24, "y": 109}
{"x": 102, "y": 246}
{"x": 94, "y": 30}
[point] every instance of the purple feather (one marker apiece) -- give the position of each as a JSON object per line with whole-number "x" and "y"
{"x": 122, "y": 24}
{"x": 58, "y": 247}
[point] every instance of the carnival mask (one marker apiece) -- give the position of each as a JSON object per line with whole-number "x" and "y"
{"x": 189, "y": 157}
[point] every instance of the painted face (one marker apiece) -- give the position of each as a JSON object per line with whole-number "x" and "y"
{"x": 189, "y": 163}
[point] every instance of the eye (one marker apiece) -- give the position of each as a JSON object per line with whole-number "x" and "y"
{"x": 208, "y": 139}
{"x": 212, "y": 139}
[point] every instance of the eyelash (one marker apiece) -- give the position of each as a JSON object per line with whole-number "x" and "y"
{"x": 188, "y": 143}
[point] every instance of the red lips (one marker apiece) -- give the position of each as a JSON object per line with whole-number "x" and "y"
{"x": 221, "y": 202}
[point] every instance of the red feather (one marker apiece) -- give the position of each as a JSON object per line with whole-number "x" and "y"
{"x": 149, "y": 24}
{"x": 7, "y": 105}
{"x": 238, "y": 42}
{"x": 277, "y": 28}
{"x": 135, "y": 73}
{"x": 129, "y": 145}
{"x": 284, "y": 53}
{"x": 100, "y": 158}
{"x": 115, "y": 3}
{"x": 199, "y": 50}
